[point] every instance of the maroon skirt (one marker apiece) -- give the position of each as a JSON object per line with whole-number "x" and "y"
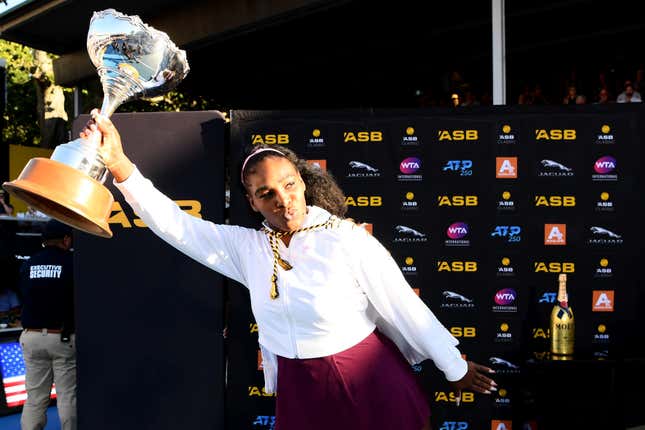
{"x": 368, "y": 386}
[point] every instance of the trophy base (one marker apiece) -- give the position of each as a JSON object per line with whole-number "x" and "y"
{"x": 66, "y": 194}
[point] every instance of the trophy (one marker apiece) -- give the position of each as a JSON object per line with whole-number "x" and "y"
{"x": 133, "y": 61}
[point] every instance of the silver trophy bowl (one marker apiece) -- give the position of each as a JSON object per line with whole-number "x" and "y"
{"x": 133, "y": 61}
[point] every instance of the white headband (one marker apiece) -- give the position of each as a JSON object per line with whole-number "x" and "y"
{"x": 253, "y": 154}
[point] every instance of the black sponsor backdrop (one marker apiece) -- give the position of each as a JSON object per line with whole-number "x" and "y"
{"x": 458, "y": 155}
{"x": 150, "y": 319}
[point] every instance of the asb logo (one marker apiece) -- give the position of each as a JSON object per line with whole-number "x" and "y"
{"x": 358, "y": 169}
{"x": 555, "y": 234}
{"x": 604, "y": 203}
{"x": 506, "y": 136}
{"x": 456, "y": 233}
{"x": 504, "y": 334}
{"x": 118, "y": 216}
{"x": 456, "y": 266}
{"x": 457, "y": 135}
{"x": 502, "y": 398}
{"x": 505, "y": 268}
{"x": 409, "y": 202}
{"x": 462, "y": 167}
{"x": 410, "y": 138}
{"x": 603, "y": 270}
{"x": 362, "y": 136}
{"x": 405, "y": 234}
{"x": 316, "y": 140}
{"x": 554, "y": 267}
{"x": 410, "y": 169}
{"x": 605, "y": 137}
{"x": 270, "y": 139}
{"x": 259, "y": 392}
{"x": 602, "y": 301}
{"x": 505, "y": 300}
{"x": 554, "y": 134}
{"x": 555, "y": 201}
{"x": 452, "y": 300}
{"x": 605, "y": 168}
{"x": 512, "y": 233}
{"x": 409, "y": 268}
{"x": 363, "y": 201}
{"x": 457, "y": 200}
{"x": 506, "y": 167}
{"x": 506, "y": 203}
{"x": 463, "y": 331}
{"x": 553, "y": 169}
{"x": 601, "y": 336}
{"x": 451, "y": 397}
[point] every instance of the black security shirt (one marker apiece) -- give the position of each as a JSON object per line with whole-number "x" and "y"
{"x": 47, "y": 286}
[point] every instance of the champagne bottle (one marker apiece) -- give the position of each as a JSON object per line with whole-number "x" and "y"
{"x": 562, "y": 323}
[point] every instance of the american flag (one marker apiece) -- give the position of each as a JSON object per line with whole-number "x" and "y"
{"x": 12, "y": 369}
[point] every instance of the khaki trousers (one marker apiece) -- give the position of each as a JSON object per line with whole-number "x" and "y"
{"x": 47, "y": 361}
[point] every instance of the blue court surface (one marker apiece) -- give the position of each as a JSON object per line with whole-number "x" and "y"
{"x": 12, "y": 422}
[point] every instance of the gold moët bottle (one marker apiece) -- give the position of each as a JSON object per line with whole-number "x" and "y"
{"x": 562, "y": 323}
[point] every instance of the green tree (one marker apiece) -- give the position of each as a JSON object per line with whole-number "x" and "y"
{"x": 20, "y": 116}
{"x": 36, "y": 106}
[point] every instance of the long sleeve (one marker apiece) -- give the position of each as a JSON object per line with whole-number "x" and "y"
{"x": 400, "y": 313}
{"x": 214, "y": 245}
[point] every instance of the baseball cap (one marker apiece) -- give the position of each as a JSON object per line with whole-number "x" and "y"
{"x": 55, "y": 229}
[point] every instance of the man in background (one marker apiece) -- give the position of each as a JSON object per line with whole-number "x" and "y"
{"x": 48, "y": 341}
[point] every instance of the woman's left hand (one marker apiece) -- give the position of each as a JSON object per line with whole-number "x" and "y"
{"x": 476, "y": 379}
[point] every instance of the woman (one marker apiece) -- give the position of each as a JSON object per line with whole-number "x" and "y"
{"x": 338, "y": 323}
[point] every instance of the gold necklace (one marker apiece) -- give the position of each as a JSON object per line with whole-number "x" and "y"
{"x": 278, "y": 260}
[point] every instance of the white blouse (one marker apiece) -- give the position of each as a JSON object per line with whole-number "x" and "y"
{"x": 343, "y": 284}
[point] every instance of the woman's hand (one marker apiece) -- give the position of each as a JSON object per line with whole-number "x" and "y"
{"x": 475, "y": 379}
{"x": 110, "y": 148}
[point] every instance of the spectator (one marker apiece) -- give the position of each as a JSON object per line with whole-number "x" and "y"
{"x": 572, "y": 94}
{"x": 629, "y": 95}
{"x": 603, "y": 97}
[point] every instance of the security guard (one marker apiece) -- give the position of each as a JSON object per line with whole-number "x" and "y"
{"x": 48, "y": 341}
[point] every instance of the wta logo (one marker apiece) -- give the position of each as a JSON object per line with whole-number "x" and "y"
{"x": 604, "y": 165}
{"x": 410, "y": 165}
{"x": 457, "y": 230}
{"x": 505, "y": 296}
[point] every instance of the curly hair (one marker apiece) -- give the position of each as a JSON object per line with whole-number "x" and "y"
{"x": 322, "y": 190}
